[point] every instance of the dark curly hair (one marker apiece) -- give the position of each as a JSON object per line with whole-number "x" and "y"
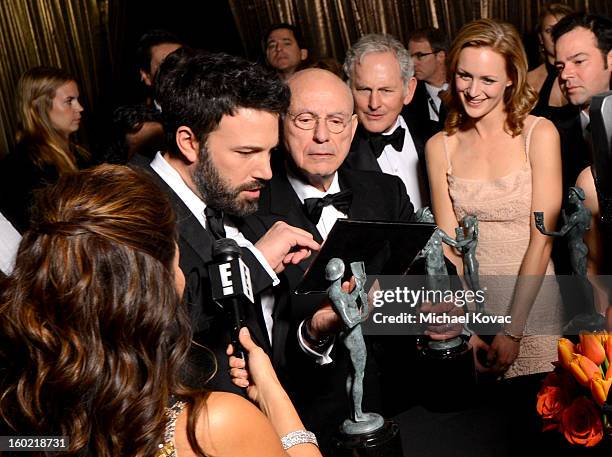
{"x": 92, "y": 330}
{"x": 197, "y": 89}
{"x": 502, "y": 38}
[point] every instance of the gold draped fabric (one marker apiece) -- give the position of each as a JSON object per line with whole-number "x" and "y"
{"x": 85, "y": 36}
{"x": 70, "y": 34}
{"x": 330, "y": 26}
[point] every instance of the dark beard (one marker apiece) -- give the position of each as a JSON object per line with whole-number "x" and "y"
{"x": 217, "y": 193}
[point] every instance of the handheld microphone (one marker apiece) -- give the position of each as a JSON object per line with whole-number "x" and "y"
{"x": 230, "y": 281}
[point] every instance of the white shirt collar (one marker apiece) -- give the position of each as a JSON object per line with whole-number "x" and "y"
{"x": 433, "y": 90}
{"x": 172, "y": 177}
{"x": 305, "y": 190}
{"x": 584, "y": 119}
{"x": 398, "y": 123}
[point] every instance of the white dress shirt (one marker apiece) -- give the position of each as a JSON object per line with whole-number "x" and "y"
{"x": 329, "y": 216}
{"x": 434, "y": 95}
{"x": 197, "y": 207}
{"x": 404, "y": 164}
{"x": 585, "y": 120}
{"x": 9, "y": 243}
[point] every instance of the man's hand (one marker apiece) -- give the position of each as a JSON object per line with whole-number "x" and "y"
{"x": 283, "y": 245}
{"x": 326, "y": 321}
{"x": 443, "y": 331}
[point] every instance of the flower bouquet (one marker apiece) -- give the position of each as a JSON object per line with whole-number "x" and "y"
{"x": 572, "y": 397}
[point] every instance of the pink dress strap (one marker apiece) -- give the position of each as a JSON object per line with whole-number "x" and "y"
{"x": 528, "y": 136}
{"x": 449, "y": 168}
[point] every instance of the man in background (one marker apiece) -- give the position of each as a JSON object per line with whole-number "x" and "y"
{"x": 381, "y": 78}
{"x": 428, "y": 48}
{"x": 153, "y": 47}
{"x": 285, "y": 52}
{"x": 583, "y": 56}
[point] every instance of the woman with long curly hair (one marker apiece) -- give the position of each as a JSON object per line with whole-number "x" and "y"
{"x": 496, "y": 162}
{"x": 93, "y": 335}
{"x": 48, "y": 113}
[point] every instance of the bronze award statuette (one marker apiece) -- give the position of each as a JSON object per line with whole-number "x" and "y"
{"x": 362, "y": 434}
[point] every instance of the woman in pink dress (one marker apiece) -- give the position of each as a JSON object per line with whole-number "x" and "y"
{"x": 496, "y": 162}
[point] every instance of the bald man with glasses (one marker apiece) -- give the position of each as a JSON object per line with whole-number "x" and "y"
{"x": 310, "y": 190}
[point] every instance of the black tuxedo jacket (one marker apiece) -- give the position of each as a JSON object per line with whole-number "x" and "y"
{"x": 376, "y": 197}
{"x": 319, "y": 391}
{"x": 208, "y": 321}
{"x": 361, "y": 156}
{"x": 575, "y": 151}
{"x": 418, "y": 113}
{"x": 576, "y": 155}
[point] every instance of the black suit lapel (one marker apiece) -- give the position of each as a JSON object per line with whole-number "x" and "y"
{"x": 189, "y": 228}
{"x": 361, "y": 156}
{"x": 284, "y": 202}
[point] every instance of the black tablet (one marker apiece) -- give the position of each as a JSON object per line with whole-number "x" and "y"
{"x": 386, "y": 248}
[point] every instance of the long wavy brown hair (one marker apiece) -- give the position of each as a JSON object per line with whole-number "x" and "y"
{"x": 35, "y": 93}
{"x": 519, "y": 98}
{"x": 92, "y": 330}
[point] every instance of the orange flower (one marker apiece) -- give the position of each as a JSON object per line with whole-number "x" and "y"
{"x": 552, "y": 400}
{"x": 599, "y": 389}
{"x": 581, "y": 423}
{"x": 608, "y": 347}
{"x": 566, "y": 350}
{"x": 584, "y": 369}
{"x": 592, "y": 347}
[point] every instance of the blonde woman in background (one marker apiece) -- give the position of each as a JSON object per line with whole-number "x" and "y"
{"x": 48, "y": 112}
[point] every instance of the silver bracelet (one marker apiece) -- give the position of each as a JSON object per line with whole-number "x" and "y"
{"x": 298, "y": 437}
{"x": 515, "y": 338}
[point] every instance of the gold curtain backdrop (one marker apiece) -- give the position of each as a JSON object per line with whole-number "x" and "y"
{"x": 330, "y": 26}
{"x": 86, "y": 37}
{"x": 70, "y": 34}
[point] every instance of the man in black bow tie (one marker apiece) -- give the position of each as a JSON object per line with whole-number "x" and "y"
{"x": 216, "y": 162}
{"x": 381, "y": 77}
{"x": 310, "y": 190}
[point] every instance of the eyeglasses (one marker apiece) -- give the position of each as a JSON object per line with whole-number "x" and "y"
{"x": 422, "y": 55}
{"x": 309, "y": 121}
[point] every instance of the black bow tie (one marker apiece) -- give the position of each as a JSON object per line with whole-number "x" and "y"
{"x": 214, "y": 222}
{"x": 314, "y": 206}
{"x": 379, "y": 141}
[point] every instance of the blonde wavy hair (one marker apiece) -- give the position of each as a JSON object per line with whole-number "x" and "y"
{"x": 501, "y": 37}
{"x": 35, "y": 93}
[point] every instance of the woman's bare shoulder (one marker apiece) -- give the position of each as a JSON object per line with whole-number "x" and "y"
{"x": 227, "y": 425}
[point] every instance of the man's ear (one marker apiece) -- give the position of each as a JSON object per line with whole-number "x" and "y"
{"x": 410, "y": 88}
{"x": 188, "y": 144}
{"x": 609, "y": 59}
{"x": 146, "y": 78}
{"x": 303, "y": 54}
